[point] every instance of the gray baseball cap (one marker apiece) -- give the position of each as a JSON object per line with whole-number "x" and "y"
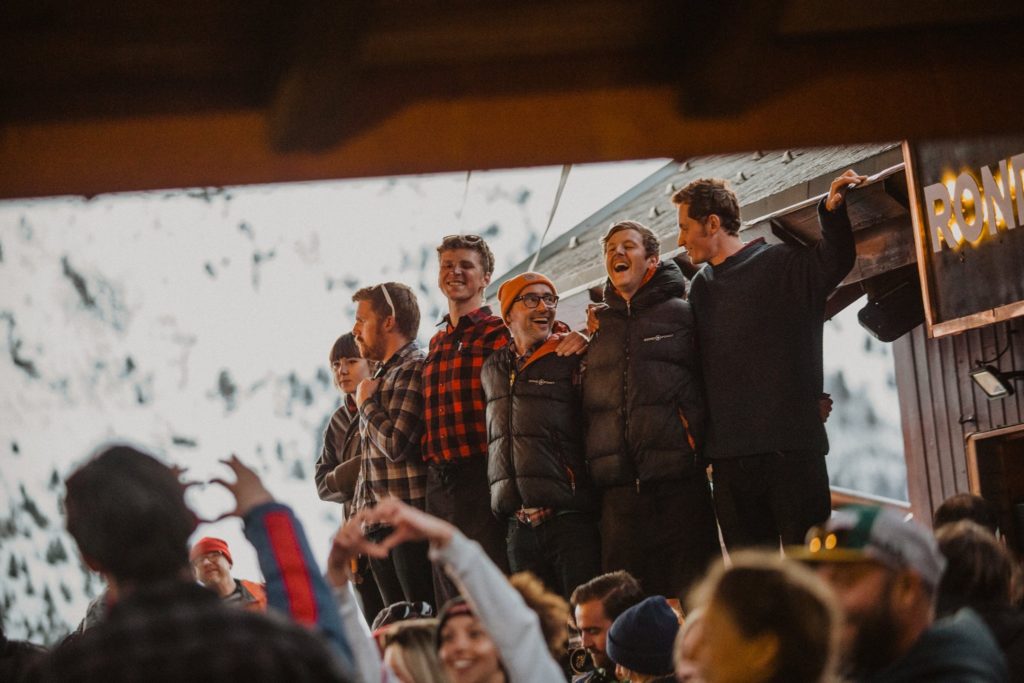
{"x": 858, "y": 533}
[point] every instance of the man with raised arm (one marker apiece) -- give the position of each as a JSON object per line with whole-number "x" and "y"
{"x": 759, "y": 311}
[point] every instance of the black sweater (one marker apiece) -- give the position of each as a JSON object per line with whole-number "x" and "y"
{"x": 759, "y": 321}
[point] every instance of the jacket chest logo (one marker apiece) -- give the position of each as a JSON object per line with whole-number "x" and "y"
{"x": 541, "y": 382}
{"x": 659, "y": 337}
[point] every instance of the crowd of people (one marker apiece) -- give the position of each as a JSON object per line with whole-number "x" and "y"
{"x": 638, "y": 501}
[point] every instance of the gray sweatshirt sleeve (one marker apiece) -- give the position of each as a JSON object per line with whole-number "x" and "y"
{"x": 364, "y": 649}
{"x": 513, "y": 626}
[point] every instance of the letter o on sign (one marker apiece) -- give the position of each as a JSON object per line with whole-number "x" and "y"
{"x": 966, "y": 184}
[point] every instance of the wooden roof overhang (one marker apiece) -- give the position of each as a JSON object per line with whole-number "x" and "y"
{"x": 110, "y": 96}
{"x": 781, "y": 191}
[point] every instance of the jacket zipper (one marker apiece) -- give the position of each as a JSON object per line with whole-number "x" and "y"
{"x": 625, "y": 386}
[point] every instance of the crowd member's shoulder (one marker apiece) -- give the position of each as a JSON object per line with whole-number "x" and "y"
{"x": 960, "y": 647}
{"x": 18, "y": 659}
{"x": 175, "y": 640}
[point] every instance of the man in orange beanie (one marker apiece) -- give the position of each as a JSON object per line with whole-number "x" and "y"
{"x": 540, "y": 488}
{"x": 211, "y": 564}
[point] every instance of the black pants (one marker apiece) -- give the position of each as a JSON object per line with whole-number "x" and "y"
{"x": 664, "y": 535}
{"x": 405, "y": 574}
{"x": 366, "y": 586}
{"x": 459, "y": 493}
{"x": 564, "y": 551}
{"x": 763, "y": 498}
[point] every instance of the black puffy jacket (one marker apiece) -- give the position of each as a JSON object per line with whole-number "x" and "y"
{"x": 535, "y": 432}
{"x": 642, "y": 391}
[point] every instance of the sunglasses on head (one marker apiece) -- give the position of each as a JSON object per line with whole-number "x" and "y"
{"x": 471, "y": 239}
{"x": 387, "y": 297}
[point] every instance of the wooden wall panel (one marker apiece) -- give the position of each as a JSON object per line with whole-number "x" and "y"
{"x": 940, "y": 406}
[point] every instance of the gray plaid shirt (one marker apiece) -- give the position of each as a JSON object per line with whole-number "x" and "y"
{"x": 391, "y": 427}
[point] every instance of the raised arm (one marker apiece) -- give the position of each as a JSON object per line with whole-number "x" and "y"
{"x": 836, "y": 252}
{"x": 294, "y": 584}
{"x": 512, "y": 625}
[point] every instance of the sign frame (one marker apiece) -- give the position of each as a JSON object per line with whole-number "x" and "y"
{"x": 953, "y": 325}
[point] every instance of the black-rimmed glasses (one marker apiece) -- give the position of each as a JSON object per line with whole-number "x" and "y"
{"x": 533, "y": 300}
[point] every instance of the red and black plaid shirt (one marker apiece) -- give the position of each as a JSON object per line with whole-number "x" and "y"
{"x": 454, "y": 406}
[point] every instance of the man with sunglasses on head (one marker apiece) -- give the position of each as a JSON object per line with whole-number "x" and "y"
{"x": 538, "y": 475}
{"x": 455, "y": 440}
{"x": 390, "y": 406}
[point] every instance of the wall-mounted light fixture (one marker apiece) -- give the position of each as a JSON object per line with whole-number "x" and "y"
{"x": 993, "y": 382}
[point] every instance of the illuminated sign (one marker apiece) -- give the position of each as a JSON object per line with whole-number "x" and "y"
{"x": 967, "y": 202}
{"x": 960, "y": 209}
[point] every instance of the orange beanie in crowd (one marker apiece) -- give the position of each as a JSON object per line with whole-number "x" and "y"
{"x": 209, "y": 544}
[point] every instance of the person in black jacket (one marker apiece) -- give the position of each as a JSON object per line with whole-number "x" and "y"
{"x": 759, "y": 311}
{"x": 535, "y": 467}
{"x": 644, "y": 409}
{"x": 979, "y": 574}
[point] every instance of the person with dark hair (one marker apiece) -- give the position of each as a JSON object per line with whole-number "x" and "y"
{"x": 766, "y": 436}
{"x": 390, "y": 408}
{"x": 885, "y": 573}
{"x": 211, "y": 565}
{"x": 764, "y": 619}
{"x": 979, "y": 575}
{"x": 18, "y": 657}
{"x": 640, "y": 642}
{"x": 536, "y": 467}
{"x": 126, "y": 512}
{"x": 455, "y": 438}
{"x": 966, "y": 506}
{"x": 595, "y": 606}
{"x": 337, "y": 468}
{"x": 644, "y": 407}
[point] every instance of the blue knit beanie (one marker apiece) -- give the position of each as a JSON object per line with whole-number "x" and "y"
{"x": 641, "y": 639}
